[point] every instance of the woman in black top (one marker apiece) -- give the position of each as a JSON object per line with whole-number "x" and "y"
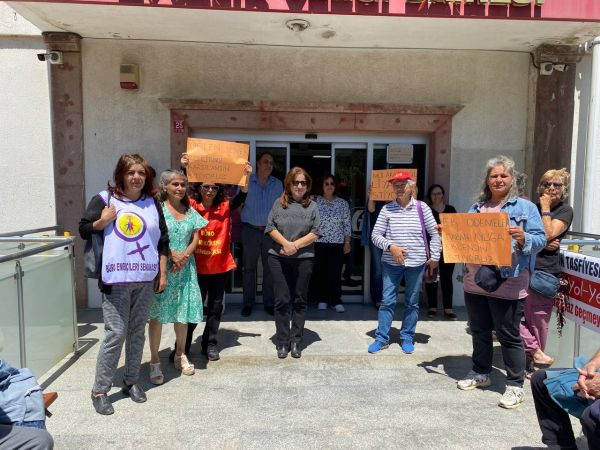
{"x": 556, "y": 217}
{"x": 293, "y": 226}
{"x": 435, "y": 199}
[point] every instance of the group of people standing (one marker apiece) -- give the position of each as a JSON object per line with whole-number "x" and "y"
{"x": 166, "y": 258}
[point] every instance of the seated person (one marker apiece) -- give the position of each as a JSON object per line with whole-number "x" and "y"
{"x": 22, "y": 416}
{"x": 556, "y": 393}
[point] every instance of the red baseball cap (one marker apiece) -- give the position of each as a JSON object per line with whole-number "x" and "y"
{"x": 401, "y": 176}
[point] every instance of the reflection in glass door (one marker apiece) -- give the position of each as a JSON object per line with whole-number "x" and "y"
{"x": 350, "y": 164}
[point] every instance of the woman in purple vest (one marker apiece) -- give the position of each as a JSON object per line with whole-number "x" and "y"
{"x": 134, "y": 265}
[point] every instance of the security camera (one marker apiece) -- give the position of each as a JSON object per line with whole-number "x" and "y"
{"x": 546, "y": 68}
{"x": 51, "y": 57}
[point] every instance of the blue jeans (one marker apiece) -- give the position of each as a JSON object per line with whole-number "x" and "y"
{"x": 392, "y": 275}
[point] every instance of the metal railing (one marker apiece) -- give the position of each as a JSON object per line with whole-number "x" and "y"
{"x": 37, "y": 275}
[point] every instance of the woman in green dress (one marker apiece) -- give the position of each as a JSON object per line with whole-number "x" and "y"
{"x": 180, "y": 303}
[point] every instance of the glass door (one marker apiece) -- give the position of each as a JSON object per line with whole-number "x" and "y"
{"x": 350, "y": 167}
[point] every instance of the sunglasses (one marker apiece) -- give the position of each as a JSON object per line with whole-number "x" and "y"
{"x": 300, "y": 183}
{"x": 547, "y": 184}
{"x": 210, "y": 188}
{"x": 329, "y": 184}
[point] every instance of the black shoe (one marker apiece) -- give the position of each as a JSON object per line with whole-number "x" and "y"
{"x": 295, "y": 350}
{"x": 172, "y": 355}
{"x": 212, "y": 353}
{"x": 282, "y": 351}
{"x": 134, "y": 392}
{"x": 431, "y": 313}
{"x": 246, "y": 311}
{"x": 270, "y": 310}
{"x": 102, "y": 405}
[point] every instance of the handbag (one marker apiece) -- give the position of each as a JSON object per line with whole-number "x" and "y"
{"x": 544, "y": 283}
{"x": 92, "y": 253}
{"x": 427, "y": 277}
{"x": 488, "y": 278}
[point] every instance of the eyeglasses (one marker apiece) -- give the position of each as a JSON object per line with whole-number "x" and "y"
{"x": 547, "y": 184}
{"x": 300, "y": 183}
{"x": 210, "y": 188}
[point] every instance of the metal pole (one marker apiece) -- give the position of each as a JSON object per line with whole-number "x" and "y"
{"x": 74, "y": 300}
{"x": 21, "y": 313}
{"x": 592, "y": 153}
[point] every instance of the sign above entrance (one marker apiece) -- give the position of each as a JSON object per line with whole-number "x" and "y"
{"x": 217, "y": 161}
{"x": 400, "y": 154}
{"x": 381, "y": 190}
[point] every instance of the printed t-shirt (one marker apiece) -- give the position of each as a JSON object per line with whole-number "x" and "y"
{"x": 213, "y": 253}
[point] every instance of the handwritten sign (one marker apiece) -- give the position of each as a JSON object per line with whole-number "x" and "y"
{"x": 583, "y": 291}
{"x": 477, "y": 238}
{"x": 217, "y": 161}
{"x": 381, "y": 189}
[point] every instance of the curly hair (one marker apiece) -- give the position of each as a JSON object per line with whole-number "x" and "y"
{"x": 509, "y": 165}
{"x": 165, "y": 179}
{"x": 286, "y": 197}
{"x": 563, "y": 174}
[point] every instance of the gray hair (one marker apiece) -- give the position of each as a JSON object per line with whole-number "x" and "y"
{"x": 165, "y": 178}
{"x": 509, "y": 165}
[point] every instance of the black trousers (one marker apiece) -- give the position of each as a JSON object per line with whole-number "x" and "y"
{"x": 290, "y": 287}
{"x": 327, "y": 276}
{"x": 256, "y": 244}
{"x": 554, "y": 421}
{"x": 446, "y": 272}
{"x": 212, "y": 289}
{"x": 489, "y": 313}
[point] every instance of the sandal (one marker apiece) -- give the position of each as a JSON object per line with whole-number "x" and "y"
{"x": 156, "y": 375}
{"x": 182, "y": 363}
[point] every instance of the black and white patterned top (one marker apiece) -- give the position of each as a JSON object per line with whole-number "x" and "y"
{"x": 335, "y": 220}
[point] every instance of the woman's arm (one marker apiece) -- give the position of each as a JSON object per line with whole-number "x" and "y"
{"x": 347, "y": 229}
{"x": 287, "y": 248}
{"x": 306, "y": 240}
{"x": 97, "y": 217}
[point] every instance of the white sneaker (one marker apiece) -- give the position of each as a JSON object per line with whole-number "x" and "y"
{"x": 339, "y": 308}
{"x": 512, "y": 398}
{"x": 473, "y": 380}
{"x": 322, "y": 306}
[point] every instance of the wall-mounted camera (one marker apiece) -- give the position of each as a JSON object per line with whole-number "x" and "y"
{"x": 51, "y": 57}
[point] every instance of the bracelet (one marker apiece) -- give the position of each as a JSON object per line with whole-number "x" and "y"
{"x": 546, "y": 214}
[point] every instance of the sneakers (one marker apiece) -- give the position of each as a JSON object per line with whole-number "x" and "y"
{"x": 407, "y": 346}
{"x": 377, "y": 346}
{"x": 512, "y": 398}
{"x": 339, "y": 308}
{"x": 474, "y": 380}
{"x": 322, "y": 306}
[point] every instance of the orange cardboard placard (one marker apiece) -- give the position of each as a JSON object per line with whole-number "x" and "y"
{"x": 476, "y": 238}
{"x": 217, "y": 161}
{"x": 381, "y": 189}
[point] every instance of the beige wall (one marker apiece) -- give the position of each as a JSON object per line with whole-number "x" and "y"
{"x": 492, "y": 86}
{"x": 25, "y": 136}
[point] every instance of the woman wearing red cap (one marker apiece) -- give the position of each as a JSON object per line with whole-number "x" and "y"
{"x": 400, "y": 233}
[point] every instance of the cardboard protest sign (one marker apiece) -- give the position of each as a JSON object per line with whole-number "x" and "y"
{"x": 217, "y": 161}
{"x": 583, "y": 289}
{"x": 477, "y": 239}
{"x": 381, "y": 189}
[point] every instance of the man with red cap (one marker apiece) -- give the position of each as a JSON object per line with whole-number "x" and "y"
{"x": 400, "y": 231}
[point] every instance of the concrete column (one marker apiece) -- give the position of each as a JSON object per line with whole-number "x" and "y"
{"x": 67, "y": 142}
{"x": 554, "y": 111}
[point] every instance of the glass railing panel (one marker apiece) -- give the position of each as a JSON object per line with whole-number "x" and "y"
{"x": 48, "y": 301}
{"x": 589, "y": 342}
{"x": 561, "y": 347}
{"x": 9, "y": 316}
